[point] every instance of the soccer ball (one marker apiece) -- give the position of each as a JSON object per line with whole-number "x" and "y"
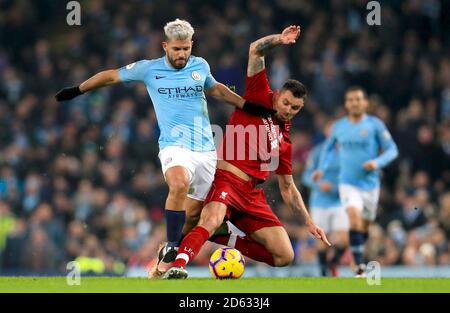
{"x": 226, "y": 263}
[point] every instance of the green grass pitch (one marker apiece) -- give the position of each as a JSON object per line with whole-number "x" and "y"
{"x": 243, "y": 285}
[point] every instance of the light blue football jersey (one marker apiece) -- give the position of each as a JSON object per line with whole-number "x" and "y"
{"x": 358, "y": 143}
{"x": 178, "y": 96}
{"x": 317, "y": 198}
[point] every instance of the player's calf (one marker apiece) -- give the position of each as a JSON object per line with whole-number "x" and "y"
{"x": 211, "y": 218}
{"x": 357, "y": 238}
{"x": 193, "y": 212}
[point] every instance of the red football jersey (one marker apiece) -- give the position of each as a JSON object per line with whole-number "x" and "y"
{"x": 254, "y": 144}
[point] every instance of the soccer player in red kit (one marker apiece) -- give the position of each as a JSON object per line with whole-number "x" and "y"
{"x": 252, "y": 146}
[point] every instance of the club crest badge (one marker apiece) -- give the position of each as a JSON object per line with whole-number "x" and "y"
{"x": 167, "y": 161}
{"x": 196, "y": 75}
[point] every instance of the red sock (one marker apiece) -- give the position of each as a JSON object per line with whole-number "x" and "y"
{"x": 248, "y": 247}
{"x": 190, "y": 246}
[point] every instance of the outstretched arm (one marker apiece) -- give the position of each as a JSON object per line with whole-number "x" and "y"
{"x": 293, "y": 199}
{"x": 102, "y": 79}
{"x": 387, "y": 144}
{"x": 222, "y": 93}
{"x": 260, "y": 47}
{"x": 132, "y": 72}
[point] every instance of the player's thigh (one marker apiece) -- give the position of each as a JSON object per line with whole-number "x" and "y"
{"x": 340, "y": 225}
{"x": 352, "y": 200}
{"x": 177, "y": 167}
{"x": 212, "y": 215}
{"x": 339, "y": 220}
{"x": 276, "y": 241}
{"x": 370, "y": 202}
{"x": 205, "y": 169}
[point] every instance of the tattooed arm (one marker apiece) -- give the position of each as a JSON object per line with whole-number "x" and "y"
{"x": 260, "y": 47}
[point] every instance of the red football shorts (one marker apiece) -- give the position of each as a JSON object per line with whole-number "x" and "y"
{"x": 247, "y": 207}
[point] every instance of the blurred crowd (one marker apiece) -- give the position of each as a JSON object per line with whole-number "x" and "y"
{"x": 82, "y": 180}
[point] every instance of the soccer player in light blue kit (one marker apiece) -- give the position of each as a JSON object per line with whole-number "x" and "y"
{"x": 359, "y": 138}
{"x": 177, "y": 84}
{"x": 326, "y": 208}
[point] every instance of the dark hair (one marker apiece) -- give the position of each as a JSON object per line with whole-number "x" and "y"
{"x": 297, "y": 88}
{"x": 356, "y": 88}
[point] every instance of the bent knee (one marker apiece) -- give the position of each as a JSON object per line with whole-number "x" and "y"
{"x": 178, "y": 186}
{"x": 210, "y": 222}
{"x": 284, "y": 259}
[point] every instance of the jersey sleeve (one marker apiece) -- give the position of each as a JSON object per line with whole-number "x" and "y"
{"x": 257, "y": 89}
{"x": 285, "y": 165}
{"x": 387, "y": 144}
{"x": 135, "y": 71}
{"x": 210, "y": 81}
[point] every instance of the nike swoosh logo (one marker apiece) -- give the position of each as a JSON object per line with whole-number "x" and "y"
{"x": 159, "y": 77}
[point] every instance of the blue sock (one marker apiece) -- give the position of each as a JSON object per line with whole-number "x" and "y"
{"x": 174, "y": 226}
{"x": 365, "y": 236}
{"x": 357, "y": 246}
{"x": 338, "y": 252}
{"x": 322, "y": 255}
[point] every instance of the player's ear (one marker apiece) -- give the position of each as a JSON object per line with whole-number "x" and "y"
{"x": 164, "y": 45}
{"x": 276, "y": 94}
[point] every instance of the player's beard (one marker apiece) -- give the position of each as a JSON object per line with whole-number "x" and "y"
{"x": 357, "y": 115}
{"x": 177, "y": 66}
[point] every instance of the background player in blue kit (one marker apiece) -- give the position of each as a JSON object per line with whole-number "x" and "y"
{"x": 359, "y": 137}
{"x": 326, "y": 208}
{"x": 177, "y": 84}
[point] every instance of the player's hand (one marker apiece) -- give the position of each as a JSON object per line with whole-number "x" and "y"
{"x": 325, "y": 186}
{"x": 68, "y": 93}
{"x": 316, "y": 175}
{"x": 370, "y": 165}
{"x": 290, "y": 34}
{"x": 318, "y": 232}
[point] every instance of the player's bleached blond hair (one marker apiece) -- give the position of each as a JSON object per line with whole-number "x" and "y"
{"x": 179, "y": 29}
